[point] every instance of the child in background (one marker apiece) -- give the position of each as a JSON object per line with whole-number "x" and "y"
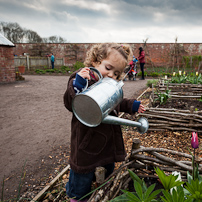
{"x": 133, "y": 70}
{"x": 102, "y": 145}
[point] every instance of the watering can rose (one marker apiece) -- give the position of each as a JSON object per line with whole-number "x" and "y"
{"x": 194, "y": 140}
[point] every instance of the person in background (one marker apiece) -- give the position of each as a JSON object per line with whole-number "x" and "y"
{"x": 101, "y": 145}
{"x": 52, "y": 60}
{"x": 141, "y": 59}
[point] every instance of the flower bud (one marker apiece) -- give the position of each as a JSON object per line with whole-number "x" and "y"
{"x": 180, "y": 73}
{"x": 196, "y": 73}
{"x": 194, "y": 140}
{"x": 173, "y": 73}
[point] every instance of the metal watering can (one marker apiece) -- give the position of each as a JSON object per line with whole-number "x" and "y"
{"x": 93, "y": 105}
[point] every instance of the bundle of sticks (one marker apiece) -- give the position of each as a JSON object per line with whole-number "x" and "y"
{"x": 161, "y": 119}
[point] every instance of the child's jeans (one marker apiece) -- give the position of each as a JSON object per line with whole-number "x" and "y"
{"x": 80, "y": 184}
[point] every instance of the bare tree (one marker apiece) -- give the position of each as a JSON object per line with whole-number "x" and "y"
{"x": 33, "y": 37}
{"x": 147, "y": 52}
{"x": 12, "y": 31}
{"x": 54, "y": 39}
{"x": 15, "y": 33}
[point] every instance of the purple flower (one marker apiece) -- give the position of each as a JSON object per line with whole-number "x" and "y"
{"x": 194, "y": 140}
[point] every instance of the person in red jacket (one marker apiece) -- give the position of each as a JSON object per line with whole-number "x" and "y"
{"x": 141, "y": 59}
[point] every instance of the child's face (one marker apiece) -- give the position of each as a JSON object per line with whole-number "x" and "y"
{"x": 112, "y": 66}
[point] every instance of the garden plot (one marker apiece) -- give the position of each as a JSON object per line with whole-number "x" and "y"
{"x": 175, "y": 107}
{"x": 168, "y": 150}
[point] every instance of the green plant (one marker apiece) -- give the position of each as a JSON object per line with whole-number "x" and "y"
{"x": 191, "y": 192}
{"x": 163, "y": 97}
{"x": 57, "y": 70}
{"x": 167, "y": 74}
{"x": 50, "y": 70}
{"x": 200, "y": 99}
{"x": 195, "y": 190}
{"x": 179, "y": 78}
{"x": 168, "y": 182}
{"x": 145, "y": 74}
{"x": 150, "y": 82}
{"x": 65, "y": 69}
{"x": 187, "y": 61}
{"x": 40, "y": 71}
{"x": 195, "y": 79}
{"x": 173, "y": 185}
{"x": 154, "y": 74}
{"x": 78, "y": 65}
{"x": 139, "y": 74}
{"x": 142, "y": 194}
{"x": 19, "y": 186}
{"x": 177, "y": 195}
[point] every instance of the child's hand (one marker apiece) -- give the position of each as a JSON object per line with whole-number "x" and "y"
{"x": 84, "y": 73}
{"x": 141, "y": 109}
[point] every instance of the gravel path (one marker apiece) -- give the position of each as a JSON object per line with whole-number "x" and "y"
{"x": 34, "y": 123}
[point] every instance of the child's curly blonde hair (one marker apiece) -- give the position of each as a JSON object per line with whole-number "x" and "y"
{"x": 99, "y": 52}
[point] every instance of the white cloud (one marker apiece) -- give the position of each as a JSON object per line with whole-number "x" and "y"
{"x": 103, "y": 20}
{"x": 159, "y": 17}
{"x": 90, "y": 5}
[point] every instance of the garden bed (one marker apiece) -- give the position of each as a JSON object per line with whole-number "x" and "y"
{"x": 180, "y": 111}
{"x": 157, "y": 141}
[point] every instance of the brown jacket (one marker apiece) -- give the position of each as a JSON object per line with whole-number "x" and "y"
{"x": 96, "y": 146}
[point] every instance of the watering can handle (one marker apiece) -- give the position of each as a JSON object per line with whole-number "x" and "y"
{"x": 97, "y": 72}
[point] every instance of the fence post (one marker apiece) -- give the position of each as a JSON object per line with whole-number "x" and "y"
{"x": 28, "y": 62}
{"x": 191, "y": 112}
{"x": 49, "y": 65}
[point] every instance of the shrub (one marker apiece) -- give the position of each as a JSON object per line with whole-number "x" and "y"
{"x": 40, "y": 71}
{"x": 154, "y": 74}
{"x": 65, "y": 69}
{"x": 140, "y": 74}
{"x": 78, "y": 65}
{"x": 150, "y": 82}
{"x": 50, "y": 70}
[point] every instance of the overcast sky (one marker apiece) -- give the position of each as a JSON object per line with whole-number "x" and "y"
{"x": 94, "y": 21}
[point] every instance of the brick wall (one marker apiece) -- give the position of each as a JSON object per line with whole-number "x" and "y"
{"x": 7, "y": 68}
{"x": 158, "y": 54}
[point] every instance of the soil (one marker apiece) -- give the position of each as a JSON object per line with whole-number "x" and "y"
{"x": 35, "y": 132}
{"x": 183, "y": 104}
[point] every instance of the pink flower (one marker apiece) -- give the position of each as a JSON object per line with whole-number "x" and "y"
{"x": 194, "y": 140}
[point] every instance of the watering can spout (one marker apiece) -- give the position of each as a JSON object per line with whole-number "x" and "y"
{"x": 142, "y": 124}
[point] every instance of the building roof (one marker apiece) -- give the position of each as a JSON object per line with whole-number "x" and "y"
{"x": 4, "y": 41}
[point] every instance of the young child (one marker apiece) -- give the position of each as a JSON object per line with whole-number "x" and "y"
{"x": 102, "y": 145}
{"x": 132, "y": 73}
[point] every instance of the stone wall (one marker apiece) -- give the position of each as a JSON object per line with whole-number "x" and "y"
{"x": 7, "y": 68}
{"x": 157, "y": 54}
